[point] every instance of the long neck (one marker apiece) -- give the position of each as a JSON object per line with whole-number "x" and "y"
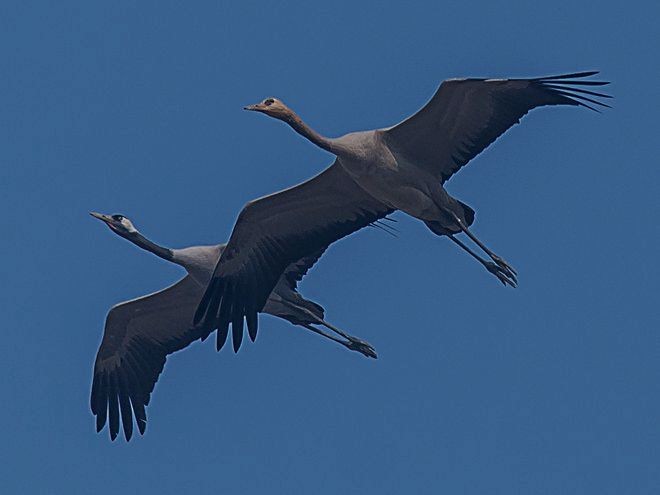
{"x": 328, "y": 144}
{"x": 160, "y": 251}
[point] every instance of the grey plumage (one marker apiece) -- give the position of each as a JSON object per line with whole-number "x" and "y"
{"x": 139, "y": 334}
{"x": 377, "y": 172}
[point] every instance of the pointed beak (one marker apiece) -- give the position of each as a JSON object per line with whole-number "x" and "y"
{"x": 100, "y": 216}
{"x": 252, "y": 108}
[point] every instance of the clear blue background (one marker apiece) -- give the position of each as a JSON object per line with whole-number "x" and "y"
{"x": 550, "y": 388}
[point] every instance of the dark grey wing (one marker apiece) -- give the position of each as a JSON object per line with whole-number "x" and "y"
{"x": 295, "y": 272}
{"x": 466, "y": 115}
{"x": 273, "y": 232}
{"x": 139, "y": 334}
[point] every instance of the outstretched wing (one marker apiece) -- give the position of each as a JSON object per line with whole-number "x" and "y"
{"x": 139, "y": 334}
{"x": 273, "y": 232}
{"x": 295, "y": 272}
{"x": 466, "y": 115}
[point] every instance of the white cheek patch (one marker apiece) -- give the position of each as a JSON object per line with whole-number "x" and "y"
{"x": 128, "y": 225}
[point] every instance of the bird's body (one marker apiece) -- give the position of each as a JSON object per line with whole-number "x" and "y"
{"x": 283, "y": 302}
{"x": 197, "y": 259}
{"x": 140, "y": 333}
{"x": 403, "y": 167}
{"x": 391, "y": 177}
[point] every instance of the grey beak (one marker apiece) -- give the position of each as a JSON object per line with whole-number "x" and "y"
{"x": 100, "y": 216}
{"x": 251, "y": 107}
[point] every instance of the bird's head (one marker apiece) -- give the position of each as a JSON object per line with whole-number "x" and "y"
{"x": 272, "y": 107}
{"x": 117, "y": 223}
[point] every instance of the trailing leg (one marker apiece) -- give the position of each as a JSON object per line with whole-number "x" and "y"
{"x": 307, "y": 318}
{"x": 499, "y": 261}
{"x": 354, "y": 345}
{"x": 505, "y": 277}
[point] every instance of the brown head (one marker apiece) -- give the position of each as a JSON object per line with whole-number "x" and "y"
{"x": 273, "y": 108}
{"x": 277, "y": 109}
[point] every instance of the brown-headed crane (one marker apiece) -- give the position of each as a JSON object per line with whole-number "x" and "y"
{"x": 376, "y": 172}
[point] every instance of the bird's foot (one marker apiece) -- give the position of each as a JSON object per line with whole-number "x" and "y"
{"x": 362, "y": 347}
{"x": 508, "y": 269}
{"x": 505, "y": 276}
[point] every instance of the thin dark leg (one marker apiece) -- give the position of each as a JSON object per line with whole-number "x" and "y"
{"x": 319, "y": 321}
{"x": 499, "y": 261}
{"x": 354, "y": 343}
{"x": 323, "y": 334}
{"x": 502, "y": 275}
{"x": 361, "y": 346}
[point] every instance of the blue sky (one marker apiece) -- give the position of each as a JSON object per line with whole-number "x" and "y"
{"x": 549, "y": 388}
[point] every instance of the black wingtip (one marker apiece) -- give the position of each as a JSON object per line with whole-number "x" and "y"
{"x": 577, "y": 90}
{"x": 574, "y": 82}
{"x": 201, "y": 309}
{"x": 574, "y": 79}
{"x": 252, "y": 324}
{"x": 577, "y": 97}
{"x": 205, "y": 302}
{"x": 569, "y": 76}
{"x": 237, "y": 333}
{"x": 200, "y": 313}
{"x": 142, "y": 425}
{"x": 221, "y": 337}
{"x": 197, "y": 318}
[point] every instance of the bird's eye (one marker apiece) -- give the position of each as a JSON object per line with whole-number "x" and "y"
{"x": 119, "y": 218}
{"x": 269, "y": 102}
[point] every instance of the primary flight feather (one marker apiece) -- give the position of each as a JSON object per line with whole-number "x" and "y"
{"x": 376, "y": 172}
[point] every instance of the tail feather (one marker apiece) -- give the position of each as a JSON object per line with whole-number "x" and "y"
{"x": 317, "y": 309}
{"x": 468, "y": 213}
{"x": 301, "y": 311}
{"x": 442, "y": 228}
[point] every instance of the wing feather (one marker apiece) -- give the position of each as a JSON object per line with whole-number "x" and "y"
{"x": 139, "y": 334}
{"x": 466, "y": 115}
{"x": 295, "y": 272}
{"x": 270, "y": 234}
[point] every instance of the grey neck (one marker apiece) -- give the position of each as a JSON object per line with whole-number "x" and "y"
{"x": 328, "y": 144}
{"x": 141, "y": 241}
